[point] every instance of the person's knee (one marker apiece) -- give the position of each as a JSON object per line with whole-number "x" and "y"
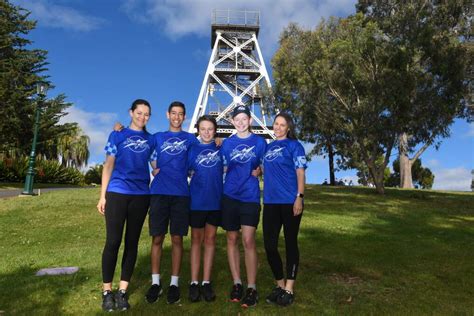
{"x": 196, "y": 237}
{"x": 232, "y": 238}
{"x": 271, "y": 248}
{"x": 113, "y": 244}
{"x": 158, "y": 240}
{"x": 210, "y": 240}
{"x": 248, "y": 242}
{"x": 176, "y": 241}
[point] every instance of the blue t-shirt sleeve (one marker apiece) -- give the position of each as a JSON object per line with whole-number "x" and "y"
{"x": 151, "y": 141}
{"x": 223, "y": 152}
{"x": 193, "y": 140}
{"x": 262, "y": 150}
{"x": 189, "y": 165}
{"x": 111, "y": 146}
{"x": 299, "y": 157}
{"x": 154, "y": 154}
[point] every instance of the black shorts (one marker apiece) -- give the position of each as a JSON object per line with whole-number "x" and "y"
{"x": 199, "y": 219}
{"x": 169, "y": 210}
{"x": 236, "y": 213}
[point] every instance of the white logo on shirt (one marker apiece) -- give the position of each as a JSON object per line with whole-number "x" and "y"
{"x": 173, "y": 146}
{"x": 301, "y": 162}
{"x": 274, "y": 153}
{"x": 136, "y": 144}
{"x": 208, "y": 158}
{"x": 242, "y": 153}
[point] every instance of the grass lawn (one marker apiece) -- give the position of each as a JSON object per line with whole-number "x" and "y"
{"x": 406, "y": 253}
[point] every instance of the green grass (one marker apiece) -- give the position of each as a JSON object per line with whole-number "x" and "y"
{"x": 406, "y": 253}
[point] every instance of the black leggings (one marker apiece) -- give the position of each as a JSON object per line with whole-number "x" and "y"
{"x": 275, "y": 216}
{"x": 121, "y": 208}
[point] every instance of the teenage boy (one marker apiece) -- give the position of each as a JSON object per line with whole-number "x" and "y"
{"x": 169, "y": 199}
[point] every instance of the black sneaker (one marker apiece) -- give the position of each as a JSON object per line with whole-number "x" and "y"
{"x": 207, "y": 292}
{"x": 287, "y": 298}
{"x": 236, "y": 292}
{"x": 173, "y": 294}
{"x": 273, "y": 296}
{"x": 251, "y": 298}
{"x": 194, "y": 293}
{"x": 121, "y": 300}
{"x": 153, "y": 293}
{"x": 108, "y": 301}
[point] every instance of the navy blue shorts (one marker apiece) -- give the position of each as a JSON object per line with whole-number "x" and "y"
{"x": 169, "y": 210}
{"x": 199, "y": 219}
{"x": 236, "y": 213}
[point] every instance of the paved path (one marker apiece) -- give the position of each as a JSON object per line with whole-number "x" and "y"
{"x": 4, "y": 193}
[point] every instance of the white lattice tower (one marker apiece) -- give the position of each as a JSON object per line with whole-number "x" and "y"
{"x": 236, "y": 73}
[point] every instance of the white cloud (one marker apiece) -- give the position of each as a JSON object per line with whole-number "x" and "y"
{"x": 456, "y": 179}
{"x": 95, "y": 125}
{"x": 347, "y": 179}
{"x": 183, "y": 17}
{"x": 58, "y": 16}
{"x": 433, "y": 163}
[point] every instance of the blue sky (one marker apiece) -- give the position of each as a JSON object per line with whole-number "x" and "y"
{"x": 104, "y": 54}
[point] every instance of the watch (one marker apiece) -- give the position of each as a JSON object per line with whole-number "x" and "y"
{"x": 301, "y": 195}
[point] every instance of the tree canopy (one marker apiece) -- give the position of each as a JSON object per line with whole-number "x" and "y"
{"x": 351, "y": 80}
{"x": 433, "y": 62}
{"x": 21, "y": 69}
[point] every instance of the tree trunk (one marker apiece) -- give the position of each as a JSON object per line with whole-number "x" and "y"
{"x": 376, "y": 176}
{"x": 406, "y": 181}
{"x": 378, "y": 181}
{"x": 332, "y": 177}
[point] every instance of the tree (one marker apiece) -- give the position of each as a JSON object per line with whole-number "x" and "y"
{"x": 376, "y": 91}
{"x": 286, "y": 97}
{"x": 433, "y": 63}
{"x": 73, "y": 148}
{"x": 21, "y": 69}
{"x": 341, "y": 83}
{"x": 94, "y": 175}
{"x": 423, "y": 178}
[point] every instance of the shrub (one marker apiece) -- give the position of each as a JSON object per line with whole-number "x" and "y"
{"x": 94, "y": 175}
{"x": 51, "y": 171}
{"x": 46, "y": 171}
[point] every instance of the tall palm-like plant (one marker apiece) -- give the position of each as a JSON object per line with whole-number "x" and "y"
{"x": 73, "y": 148}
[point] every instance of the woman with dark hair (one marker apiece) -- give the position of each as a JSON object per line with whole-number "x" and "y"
{"x": 284, "y": 165}
{"x": 205, "y": 165}
{"x": 124, "y": 198}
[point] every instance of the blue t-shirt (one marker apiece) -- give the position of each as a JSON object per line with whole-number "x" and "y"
{"x": 171, "y": 156}
{"x": 206, "y": 184}
{"x": 241, "y": 156}
{"x": 132, "y": 151}
{"x": 280, "y": 162}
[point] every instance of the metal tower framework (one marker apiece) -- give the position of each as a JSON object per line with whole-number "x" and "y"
{"x": 236, "y": 73}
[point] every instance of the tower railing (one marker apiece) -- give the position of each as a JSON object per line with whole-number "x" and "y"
{"x": 232, "y": 17}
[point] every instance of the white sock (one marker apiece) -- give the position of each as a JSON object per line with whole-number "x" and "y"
{"x": 194, "y": 282}
{"x": 155, "y": 279}
{"x": 238, "y": 281}
{"x": 205, "y": 282}
{"x": 174, "y": 280}
{"x": 252, "y": 286}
